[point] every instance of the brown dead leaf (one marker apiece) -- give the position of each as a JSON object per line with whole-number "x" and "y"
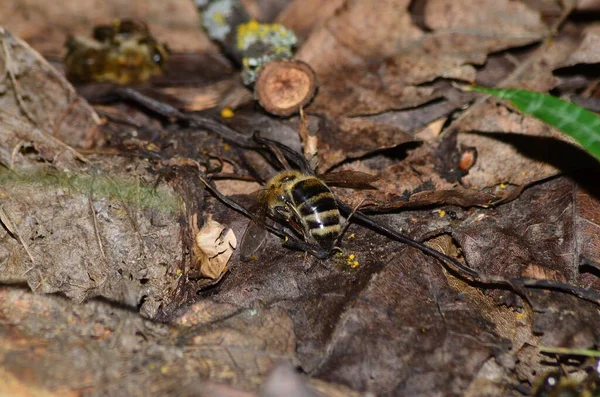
{"x": 85, "y": 235}
{"x": 210, "y": 355}
{"x": 502, "y": 140}
{"x": 39, "y": 106}
{"x": 459, "y": 38}
{"x": 378, "y": 339}
{"x": 541, "y": 273}
{"x": 419, "y": 180}
{"x": 507, "y": 20}
{"x": 386, "y": 69}
{"x": 302, "y": 16}
{"x": 353, "y": 138}
{"x": 540, "y": 234}
{"x": 214, "y": 246}
{"x": 587, "y": 51}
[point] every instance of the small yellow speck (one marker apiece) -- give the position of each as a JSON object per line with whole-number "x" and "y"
{"x": 351, "y": 256}
{"x": 521, "y": 316}
{"x": 524, "y": 173}
{"x": 423, "y": 329}
{"x": 352, "y": 235}
{"x": 354, "y": 265}
{"x": 226, "y": 146}
{"x": 227, "y": 113}
{"x": 70, "y": 319}
{"x": 442, "y": 213}
{"x": 164, "y": 370}
{"x": 286, "y": 238}
{"x": 3, "y": 195}
{"x": 179, "y": 272}
{"x": 152, "y": 366}
{"x": 502, "y": 186}
{"x": 205, "y": 152}
{"x": 119, "y": 212}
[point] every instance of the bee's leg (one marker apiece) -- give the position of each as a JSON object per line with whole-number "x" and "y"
{"x": 309, "y": 266}
{"x": 347, "y": 223}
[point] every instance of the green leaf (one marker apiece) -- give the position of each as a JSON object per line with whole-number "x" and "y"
{"x": 573, "y": 120}
{"x": 573, "y": 352}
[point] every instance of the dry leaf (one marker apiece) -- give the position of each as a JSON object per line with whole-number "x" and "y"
{"x": 215, "y": 246}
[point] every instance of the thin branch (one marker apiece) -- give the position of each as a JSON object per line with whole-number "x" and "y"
{"x": 12, "y": 228}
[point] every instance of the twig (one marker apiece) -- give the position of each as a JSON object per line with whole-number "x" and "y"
{"x": 12, "y": 228}
{"x": 11, "y": 75}
{"x": 96, "y": 231}
{"x": 171, "y": 113}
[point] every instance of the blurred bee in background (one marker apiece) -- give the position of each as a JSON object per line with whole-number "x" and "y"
{"x": 556, "y": 384}
{"x": 123, "y": 52}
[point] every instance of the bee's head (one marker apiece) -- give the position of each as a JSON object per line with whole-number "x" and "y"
{"x": 276, "y": 193}
{"x": 283, "y": 180}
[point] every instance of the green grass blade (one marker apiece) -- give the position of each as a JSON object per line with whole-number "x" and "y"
{"x": 573, "y": 120}
{"x": 573, "y": 352}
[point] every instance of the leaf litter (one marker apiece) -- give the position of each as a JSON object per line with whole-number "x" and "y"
{"x": 104, "y": 219}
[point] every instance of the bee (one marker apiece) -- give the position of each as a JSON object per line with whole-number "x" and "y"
{"x": 123, "y": 53}
{"x": 557, "y": 385}
{"x": 306, "y": 204}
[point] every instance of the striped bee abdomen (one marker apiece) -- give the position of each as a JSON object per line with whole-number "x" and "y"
{"x": 318, "y": 210}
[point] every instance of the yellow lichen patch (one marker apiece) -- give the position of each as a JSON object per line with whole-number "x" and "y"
{"x": 227, "y": 113}
{"x": 503, "y": 186}
{"x": 249, "y": 32}
{"x": 442, "y": 213}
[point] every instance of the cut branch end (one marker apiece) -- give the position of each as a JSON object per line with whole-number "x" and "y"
{"x": 283, "y": 87}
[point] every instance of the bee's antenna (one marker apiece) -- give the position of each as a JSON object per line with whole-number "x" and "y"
{"x": 347, "y": 223}
{"x": 249, "y": 167}
{"x": 462, "y": 269}
{"x": 282, "y": 151}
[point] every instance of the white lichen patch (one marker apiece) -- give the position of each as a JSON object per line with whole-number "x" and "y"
{"x": 214, "y": 17}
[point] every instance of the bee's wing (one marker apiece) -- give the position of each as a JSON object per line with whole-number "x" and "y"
{"x": 350, "y": 179}
{"x": 252, "y": 240}
{"x": 256, "y": 232}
